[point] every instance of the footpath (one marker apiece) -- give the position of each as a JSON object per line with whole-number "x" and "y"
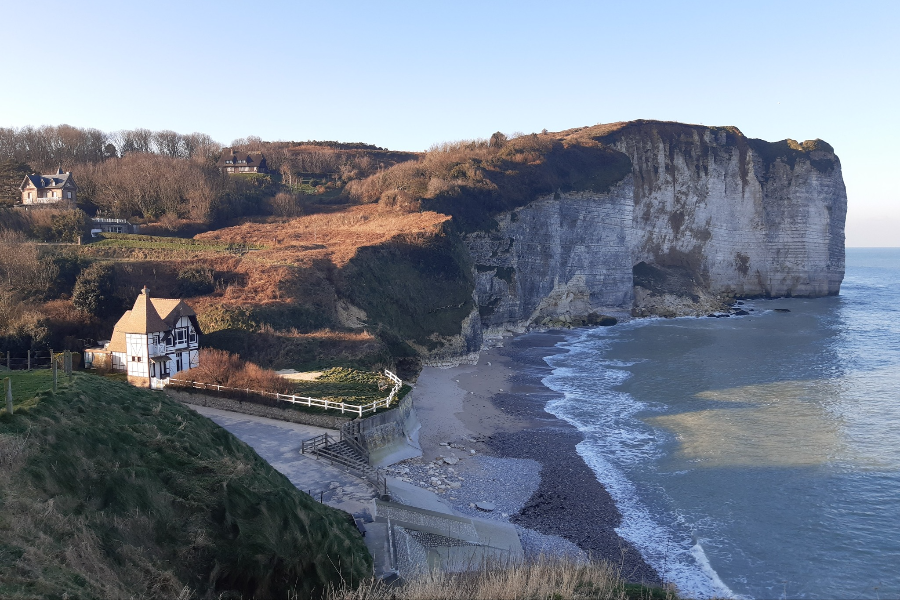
{"x": 406, "y": 530}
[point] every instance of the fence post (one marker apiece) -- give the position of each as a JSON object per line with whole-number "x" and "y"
{"x": 29, "y": 360}
{"x": 7, "y": 361}
{"x": 53, "y": 363}
{"x": 9, "y": 406}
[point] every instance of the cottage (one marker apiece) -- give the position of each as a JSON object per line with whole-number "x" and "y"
{"x": 49, "y": 189}
{"x": 153, "y": 341}
{"x": 245, "y": 162}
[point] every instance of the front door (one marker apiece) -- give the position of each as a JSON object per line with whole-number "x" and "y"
{"x": 178, "y": 362}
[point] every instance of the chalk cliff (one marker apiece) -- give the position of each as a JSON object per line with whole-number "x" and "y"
{"x": 705, "y": 215}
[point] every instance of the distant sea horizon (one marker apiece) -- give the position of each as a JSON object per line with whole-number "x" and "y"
{"x": 755, "y": 456}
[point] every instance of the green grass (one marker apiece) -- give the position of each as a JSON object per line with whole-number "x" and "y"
{"x": 349, "y": 386}
{"x": 107, "y": 490}
{"x": 27, "y": 385}
{"x": 152, "y": 242}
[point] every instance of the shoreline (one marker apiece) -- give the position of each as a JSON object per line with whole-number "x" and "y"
{"x": 485, "y": 437}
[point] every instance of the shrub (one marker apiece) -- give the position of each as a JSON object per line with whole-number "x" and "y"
{"x": 226, "y": 369}
{"x": 196, "y": 281}
{"x": 94, "y": 290}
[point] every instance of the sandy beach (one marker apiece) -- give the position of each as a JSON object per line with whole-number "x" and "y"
{"x": 486, "y": 438}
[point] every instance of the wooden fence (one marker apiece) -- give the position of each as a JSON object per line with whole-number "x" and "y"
{"x": 33, "y": 359}
{"x": 357, "y": 409}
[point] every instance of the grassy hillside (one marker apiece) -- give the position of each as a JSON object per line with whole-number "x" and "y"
{"x": 108, "y": 491}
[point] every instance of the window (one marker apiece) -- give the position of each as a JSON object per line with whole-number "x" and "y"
{"x": 69, "y": 195}
{"x": 192, "y": 337}
{"x": 180, "y": 335}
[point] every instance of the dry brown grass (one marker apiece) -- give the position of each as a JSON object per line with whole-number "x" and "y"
{"x": 334, "y": 237}
{"x": 543, "y": 579}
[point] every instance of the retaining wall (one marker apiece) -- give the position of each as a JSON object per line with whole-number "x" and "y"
{"x": 259, "y": 410}
{"x": 386, "y": 433}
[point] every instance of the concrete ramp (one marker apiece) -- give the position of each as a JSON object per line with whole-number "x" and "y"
{"x": 422, "y": 539}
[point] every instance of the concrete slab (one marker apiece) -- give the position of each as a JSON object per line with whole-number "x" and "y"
{"x": 411, "y": 495}
{"x": 278, "y": 443}
{"x": 378, "y": 543}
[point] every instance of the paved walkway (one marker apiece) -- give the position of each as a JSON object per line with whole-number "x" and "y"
{"x": 278, "y": 443}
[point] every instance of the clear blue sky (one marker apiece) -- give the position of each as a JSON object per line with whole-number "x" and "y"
{"x": 406, "y": 75}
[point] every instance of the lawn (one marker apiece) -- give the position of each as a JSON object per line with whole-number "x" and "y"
{"x": 27, "y": 384}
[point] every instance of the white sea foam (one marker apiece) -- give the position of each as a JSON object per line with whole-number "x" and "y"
{"x": 722, "y": 590}
{"x": 615, "y": 439}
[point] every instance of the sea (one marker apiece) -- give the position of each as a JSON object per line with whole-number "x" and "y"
{"x": 753, "y": 456}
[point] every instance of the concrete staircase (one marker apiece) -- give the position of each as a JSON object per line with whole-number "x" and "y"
{"x": 349, "y": 454}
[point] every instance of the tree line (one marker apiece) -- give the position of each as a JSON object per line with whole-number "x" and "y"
{"x": 49, "y": 146}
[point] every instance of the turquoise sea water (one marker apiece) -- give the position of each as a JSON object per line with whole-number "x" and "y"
{"x": 753, "y": 456}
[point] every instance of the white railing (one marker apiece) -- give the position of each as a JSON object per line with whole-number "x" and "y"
{"x": 303, "y": 400}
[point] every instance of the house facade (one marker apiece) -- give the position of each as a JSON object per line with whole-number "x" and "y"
{"x": 245, "y": 162}
{"x": 153, "y": 341}
{"x": 49, "y": 189}
{"x": 103, "y": 224}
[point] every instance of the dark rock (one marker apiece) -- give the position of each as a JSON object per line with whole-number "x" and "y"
{"x": 740, "y": 313}
{"x": 781, "y": 309}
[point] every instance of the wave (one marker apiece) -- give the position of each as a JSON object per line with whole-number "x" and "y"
{"x": 614, "y": 441}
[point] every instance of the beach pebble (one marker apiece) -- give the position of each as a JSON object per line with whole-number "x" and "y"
{"x": 455, "y": 485}
{"x": 485, "y": 506}
{"x": 472, "y": 452}
{"x": 333, "y": 485}
{"x": 471, "y": 505}
{"x": 451, "y": 460}
{"x": 445, "y": 443}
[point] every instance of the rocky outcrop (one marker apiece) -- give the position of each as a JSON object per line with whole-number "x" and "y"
{"x": 706, "y": 215}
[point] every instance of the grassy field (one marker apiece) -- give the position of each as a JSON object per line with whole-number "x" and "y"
{"x": 27, "y": 384}
{"x": 151, "y": 242}
{"x": 347, "y": 385}
{"x": 111, "y": 491}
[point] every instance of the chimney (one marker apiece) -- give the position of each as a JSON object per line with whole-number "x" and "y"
{"x": 146, "y": 291}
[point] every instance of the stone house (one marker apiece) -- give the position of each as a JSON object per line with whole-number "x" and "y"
{"x": 49, "y": 189}
{"x": 245, "y": 162}
{"x": 153, "y": 341}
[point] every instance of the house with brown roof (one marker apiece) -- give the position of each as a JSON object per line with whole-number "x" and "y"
{"x": 153, "y": 341}
{"x": 245, "y": 162}
{"x": 49, "y": 189}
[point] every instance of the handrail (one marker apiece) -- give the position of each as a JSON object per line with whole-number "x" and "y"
{"x": 314, "y": 443}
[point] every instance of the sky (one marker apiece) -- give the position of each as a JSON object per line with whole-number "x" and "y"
{"x": 407, "y": 75}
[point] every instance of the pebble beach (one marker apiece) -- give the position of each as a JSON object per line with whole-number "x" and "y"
{"x": 490, "y": 450}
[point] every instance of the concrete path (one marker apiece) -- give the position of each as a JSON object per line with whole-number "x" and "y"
{"x": 278, "y": 443}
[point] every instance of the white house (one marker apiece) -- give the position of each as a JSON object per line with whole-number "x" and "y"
{"x": 154, "y": 340}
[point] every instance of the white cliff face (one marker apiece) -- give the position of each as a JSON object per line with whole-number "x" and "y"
{"x": 706, "y": 215}
{"x": 560, "y": 259}
{"x": 737, "y": 219}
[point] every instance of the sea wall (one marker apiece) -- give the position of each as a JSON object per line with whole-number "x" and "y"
{"x": 390, "y": 433}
